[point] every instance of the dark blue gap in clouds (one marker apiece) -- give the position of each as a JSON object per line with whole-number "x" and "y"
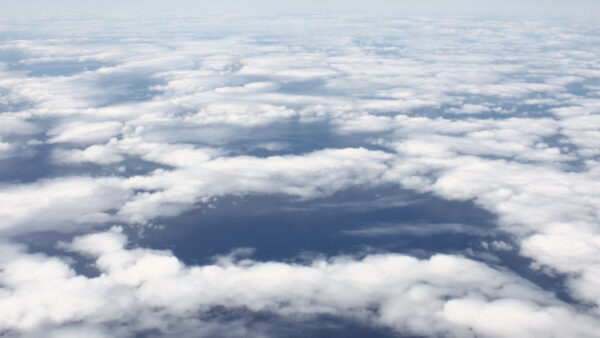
{"x": 119, "y": 88}
{"x": 566, "y": 147}
{"x": 273, "y": 325}
{"x": 556, "y": 284}
{"x": 293, "y": 136}
{"x": 282, "y": 228}
{"x": 304, "y": 87}
{"x": 296, "y": 137}
{"x": 36, "y": 163}
{"x": 583, "y": 88}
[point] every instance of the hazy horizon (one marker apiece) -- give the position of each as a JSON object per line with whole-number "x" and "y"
{"x": 434, "y": 8}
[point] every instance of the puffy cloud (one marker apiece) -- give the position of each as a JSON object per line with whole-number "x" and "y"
{"x": 245, "y": 115}
{"x": 510, "y": 317}
{"x": 199, "y": 174}
{"x": 315, "y": 174}
{"x": 85, "y": 132}
{"x": 96, "y": 154}
{"x": 59, "y": 204}
{"x": 552, "y": 212}
{"x": 145, "y": 289}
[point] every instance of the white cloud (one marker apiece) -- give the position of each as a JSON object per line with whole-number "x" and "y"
{"x": 59, "y": 204}
{"x": 315, "y": 174}
{"x": 240, "y": 114}
{"x": 149, "y": 289}
{"x": 183, "y": 102}
{"x": 512, "y": 318}
{"x": 96, "y": 154}
{"x": 16, "y": 124}
{"x": 85, "y": 132}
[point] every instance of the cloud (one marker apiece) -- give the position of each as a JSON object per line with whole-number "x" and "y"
{"x": 307, "y": 176}
{"x": 96, "y": 154}
{"x": 199, "y": 174}
{"x": 147, "y": 289}
{"x": 11, "y": 124}
{"x": 86, "y": 133}
{"x": 473, "y": 110}
{"x": 418, "y": 230}
{"x": 6, "y": 149}
{"x": 59, "y": 204}
{"x": 509, "y": 317}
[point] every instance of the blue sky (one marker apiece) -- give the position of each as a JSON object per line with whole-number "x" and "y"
{"x": 507, "y": 8}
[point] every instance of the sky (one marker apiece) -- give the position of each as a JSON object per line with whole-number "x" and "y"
{"x": 266, "y": 176}
{"x": 507, "y": 8}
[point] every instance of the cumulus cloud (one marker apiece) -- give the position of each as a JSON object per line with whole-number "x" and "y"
{"x": 59, "y": 204}
{"x": 85, "y": 133}
{"x": 144, "y": 289}
{"x": 199, "y": 175}
{"x": 311, "y": 175}
{"x": 96, "y": 154}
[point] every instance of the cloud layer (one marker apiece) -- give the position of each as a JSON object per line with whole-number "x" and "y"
{"x": 141, "y": 289}
{"x": 111, "y": 122}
